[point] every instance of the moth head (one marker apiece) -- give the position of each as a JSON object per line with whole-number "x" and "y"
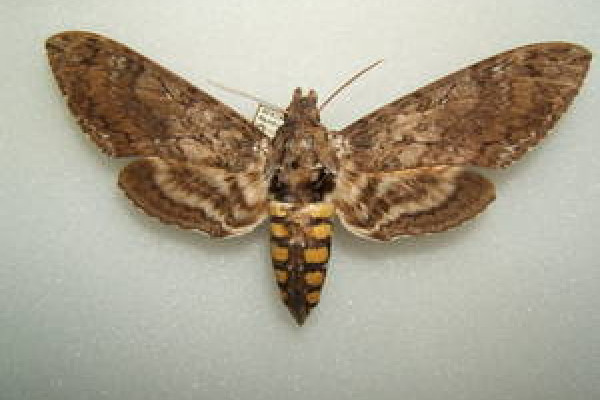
{"x": 303, "y": 108}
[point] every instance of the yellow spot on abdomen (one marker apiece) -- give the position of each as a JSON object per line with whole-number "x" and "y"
{"x": 279, "y": 253}
{"x": 313, "y": 297}
{"x": 320, "y": 210}
{"x": 281, "y": 276}
{"x": 314, "y": 278}
{"x": 279, "y": 230}
{"x": 322, "y": 231}
{"x": 277, "y": 209}
{"x": 316, "y": 255}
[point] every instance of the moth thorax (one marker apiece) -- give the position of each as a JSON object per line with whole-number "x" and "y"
{"x": 301, "y": 185}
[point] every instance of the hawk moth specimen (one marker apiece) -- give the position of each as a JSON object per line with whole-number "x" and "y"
{"x": 401, "y": 170}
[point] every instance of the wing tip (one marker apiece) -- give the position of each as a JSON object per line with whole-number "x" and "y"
{"x": 576, "y": 53}
{"x": 59, "y": 42}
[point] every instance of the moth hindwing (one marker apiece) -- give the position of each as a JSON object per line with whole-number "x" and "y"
{"x": 400, "y": 170}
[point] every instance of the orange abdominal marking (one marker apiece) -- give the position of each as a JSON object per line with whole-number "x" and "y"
{"x": 314, "y": 278}
{"x": 279, "y": 230}
{"x": 320, "y": 210}
{"x": 281, "y": 276}
{"x": 313, "y": 297}
{"x": 279, "y": 254}
{"x": 318, "y": 255}
{"x": 277, "y": 209}
{"x": 322, "y": 231}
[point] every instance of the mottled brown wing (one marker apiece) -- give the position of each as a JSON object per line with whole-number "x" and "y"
{"x": 488, "y": 114}
{"x": 193, "y": 196}
{"x": 203, "y": 164}
{"x": 386, "y": 205}
{"x": 131, "y": 106}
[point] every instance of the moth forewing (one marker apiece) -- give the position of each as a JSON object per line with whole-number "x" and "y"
{"x": 488, "y": 114}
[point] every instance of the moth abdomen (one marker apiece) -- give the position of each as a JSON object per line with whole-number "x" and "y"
{"x": 300, "y": 250}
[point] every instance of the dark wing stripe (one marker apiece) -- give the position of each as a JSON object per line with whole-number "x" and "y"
{"x": 411, "y": 202}
{"x": 194, "y": 198}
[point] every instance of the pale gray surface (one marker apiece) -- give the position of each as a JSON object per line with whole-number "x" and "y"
{"x": 98, "y": 301}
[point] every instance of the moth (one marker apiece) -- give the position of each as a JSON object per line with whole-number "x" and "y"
{"x": 403, "y": 169}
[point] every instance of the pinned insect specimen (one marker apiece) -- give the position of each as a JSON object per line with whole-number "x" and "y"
{"x": 401, "y": 170}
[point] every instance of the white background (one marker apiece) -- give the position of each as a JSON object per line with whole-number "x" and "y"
{"x": 98, "y": 301}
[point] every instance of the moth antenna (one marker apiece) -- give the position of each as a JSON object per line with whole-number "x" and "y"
{"x": 246, "y": 95}
{"x": 348, "y": 82}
